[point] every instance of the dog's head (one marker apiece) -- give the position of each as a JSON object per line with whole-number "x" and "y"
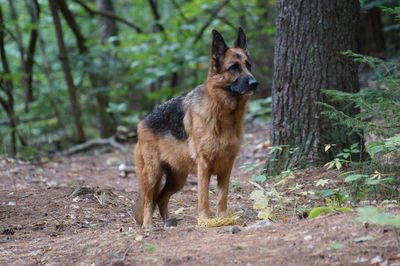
{"x": 231, "y": 67}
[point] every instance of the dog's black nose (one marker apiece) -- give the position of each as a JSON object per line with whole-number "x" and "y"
{"x": 253, "y": 83}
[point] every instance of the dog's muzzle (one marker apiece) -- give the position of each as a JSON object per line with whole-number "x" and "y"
{"x": 244, "y": 85}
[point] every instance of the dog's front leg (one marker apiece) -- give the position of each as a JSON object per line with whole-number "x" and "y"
{"x": 203, "y": 181}
{"x": 223, "y": 179}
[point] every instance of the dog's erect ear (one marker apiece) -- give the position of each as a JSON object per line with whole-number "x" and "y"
{"x": 218, "y": 49}
{"x": 241, "y": 41}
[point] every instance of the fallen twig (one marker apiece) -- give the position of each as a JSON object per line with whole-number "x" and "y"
{"x": 96, "y": 142}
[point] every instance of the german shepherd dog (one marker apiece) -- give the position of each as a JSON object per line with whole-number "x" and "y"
{"x": 196, "y": 132}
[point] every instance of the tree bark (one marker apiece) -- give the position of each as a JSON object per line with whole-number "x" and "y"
{"x": 72, "y": 91}
{"x": 311, "y": 35}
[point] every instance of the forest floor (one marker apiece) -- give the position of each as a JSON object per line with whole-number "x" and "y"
{"x": 78, "y": 210}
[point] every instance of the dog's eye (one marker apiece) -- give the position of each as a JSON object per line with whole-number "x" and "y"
{"x": 235, "y": 67}
{"x": 248, "y": 65}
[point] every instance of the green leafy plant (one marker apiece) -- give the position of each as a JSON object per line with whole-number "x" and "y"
{"x": 343, "y": 158}
{"x": 375, "y": 216}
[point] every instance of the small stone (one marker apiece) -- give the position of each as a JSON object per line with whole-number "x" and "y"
{"x": 258, "y": 224}
{"x": 308, "y": 237}
{"x": 377, "y": 259}
{"x": 172, "y": 222}
{"x": 235, "y": 230}
{"x": 9, "y": 231}
{"x": 11, "y": 203}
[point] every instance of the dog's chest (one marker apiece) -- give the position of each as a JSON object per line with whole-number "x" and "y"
{"x": 219, "y": 137}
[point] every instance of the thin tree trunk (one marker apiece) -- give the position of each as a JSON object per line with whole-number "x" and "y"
{"x": 47, "y": 72}
{"x": 7, "y": 86}
{"x": 108, "y": 25}
{"x": 26, "y": 56}
{"x": 109, "y": 29}
{"x": 34, "y": 10}
{"x": 106, "y": 121}
{"x": 72, "y": 91}
{"x": 311, "y": 35}
{"x": 156, "y": 15}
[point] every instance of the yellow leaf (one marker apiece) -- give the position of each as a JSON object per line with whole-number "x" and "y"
{"x": 266, "y": 214}
{"x": 257, "y": 194}
{"x": 260, "y": 205}
{"x": 179, "y": 211}
{"x": 138, "y": 238}
{"x": 218, "y": 221}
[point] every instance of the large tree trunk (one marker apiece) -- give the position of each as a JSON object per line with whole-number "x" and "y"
{"x": 72, "y": 91}
{"x": 311, "y": 35}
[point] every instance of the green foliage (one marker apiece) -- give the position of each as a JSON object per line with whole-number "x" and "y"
{"x": 259, "y": 108}
{"x": 334, "y": 197}
{"x": 149, "y": 248}
{"x": 386, "y": 146}
{"x": 375, "y": 103}
{"x": 379, "y": 118}
{"x": 375, "y": 216}
{"x": 143, "y": 70}
{"x": 343, "y": 158}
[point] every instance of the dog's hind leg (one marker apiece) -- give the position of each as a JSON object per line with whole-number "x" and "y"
{"x": 139, "y": 162}
{"x": 174, "y": 181}
{"x": 150, "y": 174}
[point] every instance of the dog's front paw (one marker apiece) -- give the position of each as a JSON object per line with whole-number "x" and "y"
{"x": 205, "y": 214}
{"x": 147, "y": 225}
{"x": 223, "y": 214}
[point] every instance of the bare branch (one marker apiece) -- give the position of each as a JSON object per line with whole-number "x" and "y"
{"x": 175, "y": 4}
{"x": 208, "y": 22}
{"x": 69, "y": 17}
{"x": 108, "y": 14}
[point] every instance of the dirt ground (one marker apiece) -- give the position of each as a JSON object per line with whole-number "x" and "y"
{"x": 78, "y": 210}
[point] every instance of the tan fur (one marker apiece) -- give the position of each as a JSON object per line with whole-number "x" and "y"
{"x": 214, "y": 125}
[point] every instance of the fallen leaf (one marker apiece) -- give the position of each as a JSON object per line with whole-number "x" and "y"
{"x": 179, "y": 211}
{"x": 337, "y": 245}
{"x": 363, "y": 239}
